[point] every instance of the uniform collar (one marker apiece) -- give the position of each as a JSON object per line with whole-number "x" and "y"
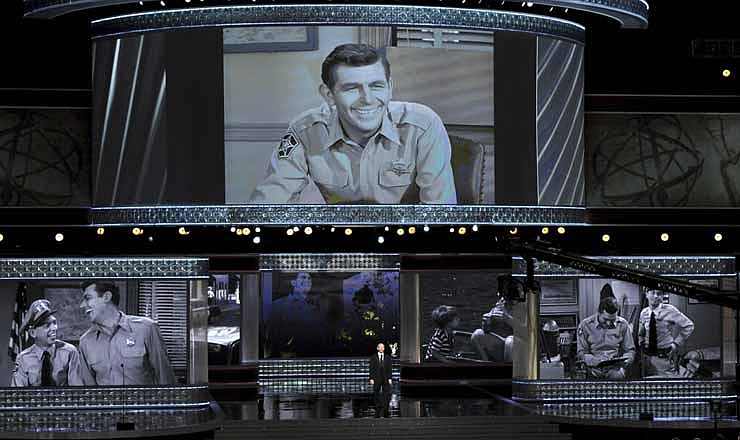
{"x": 123, "y": 322}
{"x": 388, "y": 130}
{"x": 38, "y": 351}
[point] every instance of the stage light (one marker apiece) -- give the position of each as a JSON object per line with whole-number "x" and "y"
{"x": 561, "y": 230}
{"x": 513, "y": 231}
{"x": 726, "y": 73}
{"x": 256, "y": 240}
{"x": 239, "y": 231}
{"x": 545, "y": 230}
{"x": 161, "y": 2}
{"x": 452, "y": 230}
{"x": 100, "y": 231}
{"x": 141, "y": 3}
{"x": 308, "y": 230}
{"x": 290, "y": 231}
{"x": 247, "y": 231}
{"x": 664, "y": 237}
{"x": 387, "y": 229}
{"x": 552, "y": 8}
{"x": 426, "y": 228}
{"x": 412, "y": 230}
{"x": 605, "y": 238}
{"x": 233, "y": 229}
{"x": 59, "y": 237}
{"x": 2, "y": 237}
{"x": 475, "y": 228}
{"x": 381, "y": 240}
{"x": 151, "y": 239}
{"x": 182, "y": 231}
{"x": 348, "y": 231}
{"x": 137, "y": 231}
{"x": 717, "y": 237}
{"x": 462, "y": 231}
{"x": 530, "y": 4}
{"x": 257, "y": 229}
{"x": 332, "y": 229}
{"x": 296, "y": 229}
{"x": 400, "y": 231}
{"x": 566, "y": 10}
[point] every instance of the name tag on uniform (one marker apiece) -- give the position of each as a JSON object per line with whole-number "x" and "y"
{"x": 130, "y": 342}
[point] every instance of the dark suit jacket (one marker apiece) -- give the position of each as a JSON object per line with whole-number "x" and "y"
{"x": 380, "y": 373}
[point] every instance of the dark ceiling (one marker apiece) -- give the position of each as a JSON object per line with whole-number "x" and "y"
{"x": 56, "y": 54}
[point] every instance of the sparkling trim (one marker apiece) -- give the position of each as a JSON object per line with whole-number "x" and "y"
{"x": 329, "y": 14}
{"x": 82, "y": 268}
{"x": 670, "y": 266}
{"x": 613, "y": 390}
{"x": 330, "y": 262}
{"x": 337, "y": 215}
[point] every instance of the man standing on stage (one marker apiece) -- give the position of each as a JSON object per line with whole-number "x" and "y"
{"x": 657, "y": 324}
{"x": 381, "y": 380}
{"x": 49, "y": 361}
{"x": 120, "y": 349}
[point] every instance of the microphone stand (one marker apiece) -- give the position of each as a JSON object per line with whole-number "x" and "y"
{"x": 123, "y": 425}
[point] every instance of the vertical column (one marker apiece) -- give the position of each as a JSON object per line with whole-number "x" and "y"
{"x": 515, "y": 102}
{"x": 525, "y": 354}
{"x": 250, "y": 318}
{"x": 198, "y": 309}
{"x": 410, "y": 304}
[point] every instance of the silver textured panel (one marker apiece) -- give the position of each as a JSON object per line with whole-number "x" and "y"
{"x": 337, "y": 215}
{"x": 669, "y": 266}
{"x": 84, "y": 268}
{"x": 630, "y": 13}
{"x": 16, "y": 399}
{"x": 332, "y": 262}
{"x": 625, "y": 410}
{"x": 260, "y": 15}
{"x": 614, "y": 390}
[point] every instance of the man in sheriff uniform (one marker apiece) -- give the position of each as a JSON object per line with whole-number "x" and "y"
{"x": 361, "y": 147}
{"x": 120, "y": 349}
{"x": 49, "y": 361}
{"x": 658, "y": 322}
{"x": 603, "y": 338}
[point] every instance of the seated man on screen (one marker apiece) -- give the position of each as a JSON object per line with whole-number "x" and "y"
{"x": 361, "y": 147}
{"x": 49, "y": 361}
{"x": 120, "y": 349}
{"x": 605, "y": 342}
{"x": 493, "y": 341}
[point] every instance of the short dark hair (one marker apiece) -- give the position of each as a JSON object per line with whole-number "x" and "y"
{"x": 355, "y": 55}
{"x": 608, "y": 305}
{"x": 104, "y": 286}
{"x": 443, "y": 315}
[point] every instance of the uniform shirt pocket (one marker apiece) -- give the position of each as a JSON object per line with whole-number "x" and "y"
{"x": 391, "y": 178}
{"x": 133, "y": 357}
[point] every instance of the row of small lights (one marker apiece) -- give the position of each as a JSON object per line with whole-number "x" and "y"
{"x": 411, "y": 230}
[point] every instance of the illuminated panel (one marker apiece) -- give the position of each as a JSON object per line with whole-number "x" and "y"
{"x": 81, "y": 268}
{"x": 668, "y": 266}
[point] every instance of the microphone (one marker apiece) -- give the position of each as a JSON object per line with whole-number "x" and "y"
{"x": 123, "y": 425}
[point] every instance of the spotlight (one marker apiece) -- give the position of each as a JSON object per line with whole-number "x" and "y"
{"x": 348, "y": 231}
{"x": 462, "y": 231}
{"x": 387, "y": 229}
{"x": 151, "y": 239}
{"x": 100, "y": 231}
{"x": 2, "y": 237}
{"x": 426, "y": 228}
{"x": 545, "y": 230}
{"x": 256, "y": 240}
{"x": 296, "y": 229}
{"x": 239, "y": 232}
{"x": 452, "y": 230}
{"x": 141, "y": 3}
{"x": 137, "y": 231}
{"x": 717, "y": 237}
{"x": 290, "y": 231}
{"x": 513, "y": 231}
{"x": 182, "y": 231}
{"x": 475, "y": 228}
{"x": 161, "y": 2}
{"x": 381, "y": 240}
{"x": 605, "y": 238}
{"x": 257, "y": 229}
{"x": 726, "y": 73}
{"x": 530, "y": 4}
{"x": 412, "y": 230}
{"x": 59, "y": 237}
{"x": 233, "y": 229}
{"x": 400, "y": 231}
{"x": 566, "y": 10}
{"x": 664, "y": 237}
{"x": 308, "y": 230}
{"x": 332, "y": 229}
{"x": 561, "y": 230}
{"x": 246, "y": 231}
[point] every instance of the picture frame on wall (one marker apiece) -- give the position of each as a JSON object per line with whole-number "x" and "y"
{"x": 253, "y": 39}
{"x": 559, "y": 291}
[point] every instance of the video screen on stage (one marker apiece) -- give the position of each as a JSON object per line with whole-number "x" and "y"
{"x": 358, "y": 115}
{"x": 595, "y": 328}
{"x": 224, "y": 319}
{"x": 316, "y": 314}
{"x": 64, "y": 333}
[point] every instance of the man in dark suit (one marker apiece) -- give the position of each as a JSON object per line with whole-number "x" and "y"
{"x": 380, "y": 379}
